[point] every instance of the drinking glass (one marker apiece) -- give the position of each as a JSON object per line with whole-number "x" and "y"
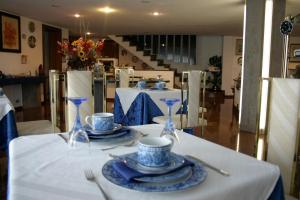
{"x": 169, "y": 129}
{"x": 78, "y": 137}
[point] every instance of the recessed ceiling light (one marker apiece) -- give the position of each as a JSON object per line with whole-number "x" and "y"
{"x": 77, "y": 15}
{"x": 156, "y": 13}
{"x": 107, "y": 9}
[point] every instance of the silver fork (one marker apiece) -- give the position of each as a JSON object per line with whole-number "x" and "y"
{"x": 89, "y": 175}
{"x": 143, "y": 134}
{"x": 120, "y": 145}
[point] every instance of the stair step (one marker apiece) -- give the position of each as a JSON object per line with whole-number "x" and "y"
{"x": 147, "y": 52}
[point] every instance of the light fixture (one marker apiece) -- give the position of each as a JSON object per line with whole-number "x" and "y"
{"x": 106, "y": 10}
{"x": 88, "y": 33}
{"x": 77, "y": 15}
{"x": 156, "y": 13}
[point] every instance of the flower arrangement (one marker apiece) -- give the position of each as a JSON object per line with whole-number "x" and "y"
{"x": 81, "y": 53}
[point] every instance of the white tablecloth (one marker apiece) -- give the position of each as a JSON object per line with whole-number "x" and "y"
{"x": 5, "y": 106}
{"x": 128, "y": 95}
{"x": 41, "y": 167}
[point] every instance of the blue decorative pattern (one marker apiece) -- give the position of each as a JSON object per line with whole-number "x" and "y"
{"x": 154, "y": 156}
{"x": 8, "y": 130}
{"x": 197, "y": 176}
{"x": 141, "y": 111}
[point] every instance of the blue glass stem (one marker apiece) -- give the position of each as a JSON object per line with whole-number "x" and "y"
{"x": 77, "y": 123}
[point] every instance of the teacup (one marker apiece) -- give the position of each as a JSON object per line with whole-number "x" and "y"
{"x": 160, "y": 85}
{"x": 101, "y": 121}
{"x": 141, "y": 84}
{"x": 154, "y": 151}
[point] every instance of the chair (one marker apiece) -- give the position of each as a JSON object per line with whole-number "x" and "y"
{"x": 124, "y": 77}
{"x": 36, "y": 127}
{"x": 79, "y": 84}
{"x": 43, "y": 126}
{"x": 194, "y": 95}
{"x": 282, "y": 130}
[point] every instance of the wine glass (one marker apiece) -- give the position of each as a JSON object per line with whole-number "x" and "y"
{"x": 169, "y": 129}
{"x": 78, "y": 137}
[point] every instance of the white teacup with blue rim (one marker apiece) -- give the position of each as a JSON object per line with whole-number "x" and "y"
{"x": 141, "y": 84}
{"x": 100, "y": 121}
{"x": 160, "y": 85}
{"x": 154, "y": 151}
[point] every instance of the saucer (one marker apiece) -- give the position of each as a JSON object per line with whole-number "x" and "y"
{"x": 106, "y": 132}
{"x": 131, "y": 160}
{"x": 127, "y": 137}
{"x": 172, "y": 176}
{"x": 196, "y": 176}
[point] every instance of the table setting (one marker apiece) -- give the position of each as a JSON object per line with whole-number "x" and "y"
{"x": 139, "y": 105}
{"x": 159, "y": 162}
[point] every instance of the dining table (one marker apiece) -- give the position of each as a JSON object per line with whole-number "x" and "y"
{"x": 134, "y": 106}
{"x": 8, "y": 127}
{"x": 44, "y": 167}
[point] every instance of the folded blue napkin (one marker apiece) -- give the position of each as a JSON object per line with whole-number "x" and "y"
{"x": 129, "y": 174}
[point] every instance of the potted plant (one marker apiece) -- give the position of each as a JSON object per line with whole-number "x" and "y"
{"x": 215, "y": 67}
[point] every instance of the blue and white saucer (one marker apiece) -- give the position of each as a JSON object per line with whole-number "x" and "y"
{"x": 125, "y": 136}
{"x": 90, "y": 130}
{"x": 132, "y": 162}
{"x": 163, "y": 178}
{"x": 196, "y": 176}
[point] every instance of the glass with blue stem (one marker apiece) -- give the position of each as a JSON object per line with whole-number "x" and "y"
{"x": 78, "y": 137}
{"x": 169, "y": 129}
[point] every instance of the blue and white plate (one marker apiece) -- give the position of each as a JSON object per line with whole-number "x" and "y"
{"x": 105, "y": 136}
{"x": 132, "y": 162}
{"x": 125, "y": 137}
{"x": 163, "y": 178}
{"x": 90, "y": 130}
{"x": 196, "y": 176}
{"x": 160, "y": 89}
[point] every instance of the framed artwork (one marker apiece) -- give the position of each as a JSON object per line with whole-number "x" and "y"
{"x": 239, "y": 47}
{"x": 294, "y": 52}
{"x": 10, "y": 33}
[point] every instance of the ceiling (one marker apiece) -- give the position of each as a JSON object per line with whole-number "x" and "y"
{"x": 203, "y": 17}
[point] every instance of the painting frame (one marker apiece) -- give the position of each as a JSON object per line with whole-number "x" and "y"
{"x": 238, "y": 47}
{"x": 10, "y": 33}
{"x": 292, "y": 58}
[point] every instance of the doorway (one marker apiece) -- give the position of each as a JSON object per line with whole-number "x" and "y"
{"x": 52, "y": 61}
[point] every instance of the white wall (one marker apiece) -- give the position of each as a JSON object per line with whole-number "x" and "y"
{"x": 231, "y": 68}
{"x": 10, "y": 63}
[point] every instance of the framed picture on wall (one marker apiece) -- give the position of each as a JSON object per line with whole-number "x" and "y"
{"x": 238, "y": 47}
{"x": 10, "y": 33}
{"x": 294, "y": 52}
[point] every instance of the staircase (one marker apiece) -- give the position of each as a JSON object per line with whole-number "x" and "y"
{"x": 145, "y": 55}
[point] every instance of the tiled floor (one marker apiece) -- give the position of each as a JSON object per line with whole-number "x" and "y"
{"x": 222, "y": 127}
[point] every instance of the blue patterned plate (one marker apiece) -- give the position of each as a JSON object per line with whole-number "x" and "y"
{"x": 172, "y": 176}
{"x": 162, "y": 89}
{"x": 105, "y": 136}
{"x": 196, "y": 176}
{"x": 128, "y": 136}
{"x": 132, "y": 162}
{"x": 90, "y": 130}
